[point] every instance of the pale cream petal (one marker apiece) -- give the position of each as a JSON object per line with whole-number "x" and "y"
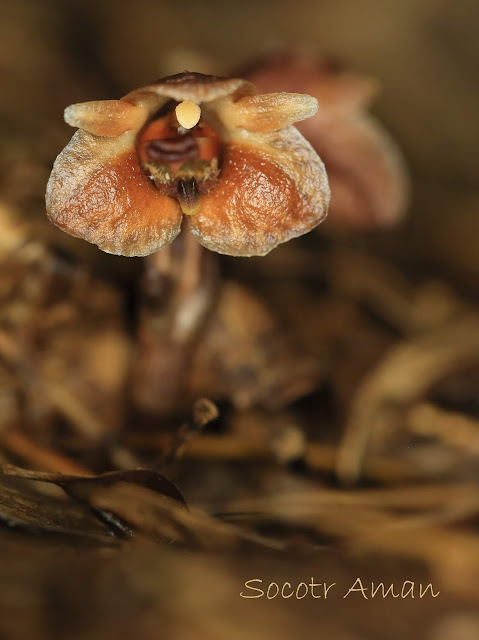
{"x": 266, "y": 112}
{"x": 105, "y": 117}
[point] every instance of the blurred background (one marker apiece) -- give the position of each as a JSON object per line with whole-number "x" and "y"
{"x": 344, "y": 366}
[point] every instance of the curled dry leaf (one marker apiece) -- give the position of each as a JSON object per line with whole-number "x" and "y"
{"x": 136, "y": 501}
{"x": 22, "y": 507}
{"x": 114, "y": 495}
{"x": 207, "y": 147}
{"x": 365, "y": 168}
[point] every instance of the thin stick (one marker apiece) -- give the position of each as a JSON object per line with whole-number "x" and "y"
{"x": 22, "y": 446}
{"x": 318, "y": 457}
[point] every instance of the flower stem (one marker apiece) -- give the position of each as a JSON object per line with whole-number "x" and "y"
{"x": 178, "y": 293}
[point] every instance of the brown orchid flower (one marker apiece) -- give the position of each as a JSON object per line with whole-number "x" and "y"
{"x": 366, "y": 171}
{"x": 207, "y": 147}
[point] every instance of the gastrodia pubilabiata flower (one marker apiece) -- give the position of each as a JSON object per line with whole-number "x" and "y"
{"x": 207, "y": 147}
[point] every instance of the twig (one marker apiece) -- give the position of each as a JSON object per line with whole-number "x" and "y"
{"x": 407, "y": 372}
{"x": 234, "y": 447}
{"x": 22, "y": 446}
{"x": 204, "y": 411}
{"x": 449, "y": 427}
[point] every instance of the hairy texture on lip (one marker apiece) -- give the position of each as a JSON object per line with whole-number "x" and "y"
{"x": 273, "y": 188}
{"x": 98, "y": 192}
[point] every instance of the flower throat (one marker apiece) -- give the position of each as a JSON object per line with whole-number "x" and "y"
{"x": 179, "y": 152}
